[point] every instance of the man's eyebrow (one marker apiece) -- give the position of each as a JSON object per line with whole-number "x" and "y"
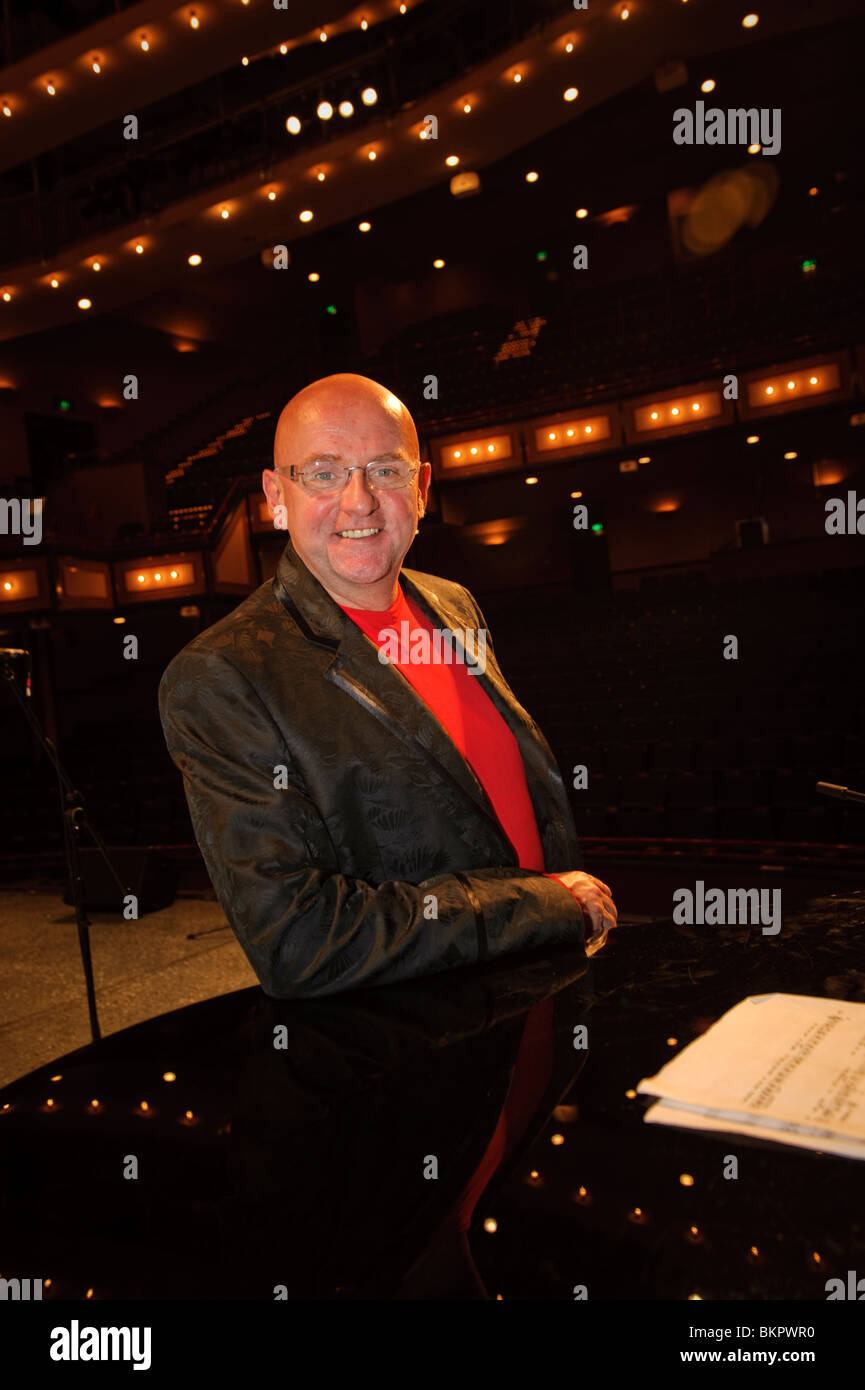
{"x": 386, "y": 457}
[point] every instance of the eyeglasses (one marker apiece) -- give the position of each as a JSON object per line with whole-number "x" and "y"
{"x": 322, "y": 477}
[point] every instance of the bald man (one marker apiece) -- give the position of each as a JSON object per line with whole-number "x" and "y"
{"x": 367, "y": 814}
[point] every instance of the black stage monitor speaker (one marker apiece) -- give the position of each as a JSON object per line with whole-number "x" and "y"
{"x": 150, "y": 875}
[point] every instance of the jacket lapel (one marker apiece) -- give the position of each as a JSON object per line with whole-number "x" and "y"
{"x": 542, "y": 773}
{"x": 385, "y": 693}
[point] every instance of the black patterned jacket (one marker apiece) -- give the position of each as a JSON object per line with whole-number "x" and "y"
{"x": 347, "y": 839}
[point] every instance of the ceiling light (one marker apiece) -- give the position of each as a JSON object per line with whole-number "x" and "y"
{"x": 364, "y": 24}
{"x": 324, "y": 110}
{"x": 708, "y": 85}
{"x": 50, "y": 89}
{"x": 439, "y": 264}
{"x": 532, "y": 176}
{"x": 283, "y": 48}
{"x": 54, "y": 283}
{"x": 371, "y": 154}
{"x": 369, "y": 96}
{"x": 305, "y": 216}
{"x": 791, "y": 454}
{"x": 750, "y": 20}
{"x": 518, "y": 77}
{"x": 7, "y": 109}
{"x": 582, "y": 212}
{"x": 346, "y": 108}
{"x": 6, "y": 296}
{"x": 272, "y": 196}
{"x": 403, "y": 8}
{"x": 313, "y": 276}
{"x": 364, "y": 226}
{"x": 139, "y": 249}
{"x": 467, "y": 106}
{"x": 84, "y": 303}
{"x": 753, "y": 439}
{"x": 224, "y": 214}
{"x": 96, "y": 265}
{"x": 571, "y": 93}
{"x": 530, "y": 480}
{"x": 452, "y": 159}
{"x": 194, "y": 21}
{"x": 143, "y": 44}
{"x": 323, "y": 36}
{"x": 754, "y": 149}
{"x": 194, "y": 259}
{"x": 569, "y": 47}
{"x": 96, "y": 65}
{"x": 292, "y": 125}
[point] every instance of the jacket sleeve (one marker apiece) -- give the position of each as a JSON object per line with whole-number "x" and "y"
{"x": 307, "y": 929}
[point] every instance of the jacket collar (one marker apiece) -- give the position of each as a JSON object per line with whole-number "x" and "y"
{"x": 385, "y": 693}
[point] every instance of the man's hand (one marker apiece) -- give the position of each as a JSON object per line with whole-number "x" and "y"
{"x": 597, "y": 903}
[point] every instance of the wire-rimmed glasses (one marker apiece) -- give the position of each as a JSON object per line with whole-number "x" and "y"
{"x": 323, "y": 476}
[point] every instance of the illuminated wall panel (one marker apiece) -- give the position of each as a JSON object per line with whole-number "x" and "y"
{"x": 795, "y": 386}
{"x": 668, "y": 413}
{"x": 23, "y": 584}
{"x": 147, "y": 581}
{"x": 84, "y": 583}
{"x": 466, "y": 455}
{"x": 576, "y": 433}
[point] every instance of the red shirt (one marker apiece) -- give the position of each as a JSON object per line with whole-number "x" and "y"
{"x": 468, "y": 714}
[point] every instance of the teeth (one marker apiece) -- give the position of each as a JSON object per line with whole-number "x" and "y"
{"x": 370, "y": 531}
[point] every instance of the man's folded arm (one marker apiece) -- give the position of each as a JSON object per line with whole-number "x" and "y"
{"x": 308, "y": 929}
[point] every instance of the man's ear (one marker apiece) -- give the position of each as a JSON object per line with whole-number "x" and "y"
{"x": 271, "y": 488}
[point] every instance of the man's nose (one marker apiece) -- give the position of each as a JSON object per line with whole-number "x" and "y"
{"x": 357, "y": 495}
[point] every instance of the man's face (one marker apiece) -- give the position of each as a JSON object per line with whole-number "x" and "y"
{"x": 348, "y": 429}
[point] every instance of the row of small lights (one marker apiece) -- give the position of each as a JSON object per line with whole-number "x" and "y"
{"x": 369, "y": 97}
{"x": 143, "y": 43}
{"x": 194, "y": 21}
{"x": 789, "y": 455}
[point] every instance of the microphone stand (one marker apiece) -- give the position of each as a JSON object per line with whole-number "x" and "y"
{"x": 75, "y": 819}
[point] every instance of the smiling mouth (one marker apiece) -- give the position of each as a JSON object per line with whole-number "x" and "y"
{"x": 359, "y": 535}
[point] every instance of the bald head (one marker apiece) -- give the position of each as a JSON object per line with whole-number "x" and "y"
{"x": 357, "y": 402}
{"x": 355, "y": 537}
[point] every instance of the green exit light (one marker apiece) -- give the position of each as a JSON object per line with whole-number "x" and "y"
{"x": 63, "y": 404}
{"x": 540, "y": 255}
{"x": 808, "y": 266}
{"x": 331, "y": 308}
{"x": 597, "y": 526}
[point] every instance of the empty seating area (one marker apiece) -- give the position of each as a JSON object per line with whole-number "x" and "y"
{"x": 622, "y": 339}
{"x": 677, "y": 742}
{"x": 607, "y": 342}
